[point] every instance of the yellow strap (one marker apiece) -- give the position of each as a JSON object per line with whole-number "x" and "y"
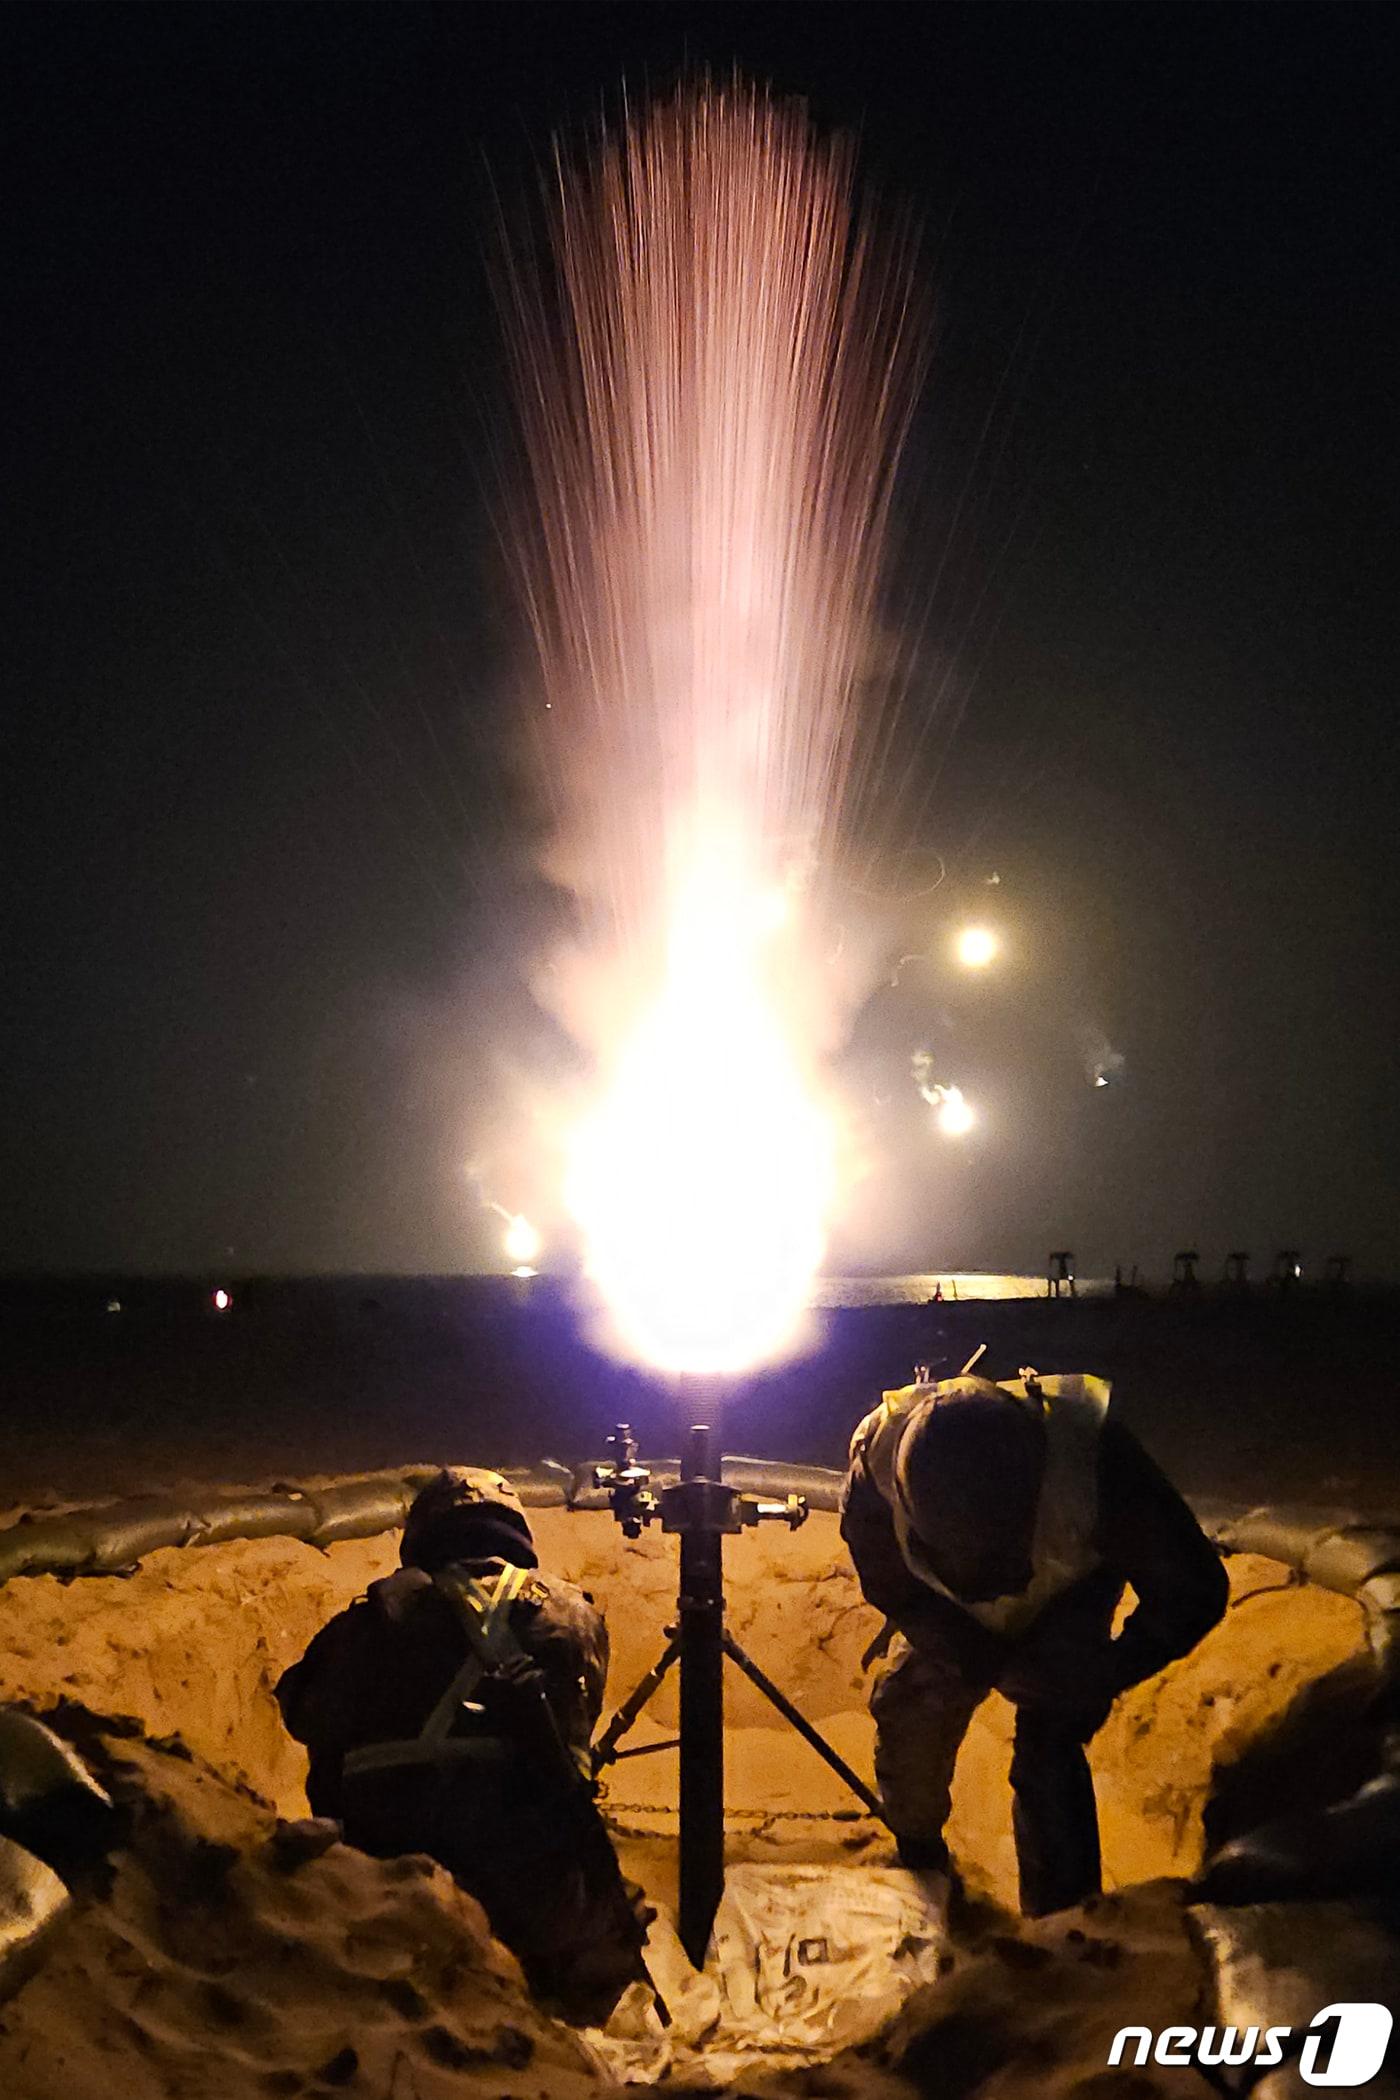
{"x": 484, "y": 1616}
{"x": 485, "y": 1613}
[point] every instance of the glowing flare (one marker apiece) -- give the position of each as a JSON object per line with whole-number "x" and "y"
{"x": 956, "y": 1115}
{"x": 977, "y": 946}
{"x": 522, "y": 1243}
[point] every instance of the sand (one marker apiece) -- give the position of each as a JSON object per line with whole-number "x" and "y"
{"x": 218, "y": 1966}
{"x": 251, "y": 1979}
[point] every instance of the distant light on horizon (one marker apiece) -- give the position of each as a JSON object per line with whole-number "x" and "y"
{"x": 221, "y": 1300}
{"x": 977, "y": 946}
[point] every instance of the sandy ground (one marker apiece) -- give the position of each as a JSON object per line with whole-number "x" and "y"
{"x": 217, "y": 1966}
{"x": 261, "y": 1981}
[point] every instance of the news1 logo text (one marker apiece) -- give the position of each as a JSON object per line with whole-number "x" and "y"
{"x": 1343, "y": 2045}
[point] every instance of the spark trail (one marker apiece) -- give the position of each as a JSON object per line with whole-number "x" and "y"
{"x": 714, "y": 371}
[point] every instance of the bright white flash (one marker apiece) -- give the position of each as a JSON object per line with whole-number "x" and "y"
{"x": 955, "y": 1114}
{"x": 714, "y": 381}
{"x": 977, "y": 946}
{"x": 522, "y": 1242}
{"x": 703, "y": 1178}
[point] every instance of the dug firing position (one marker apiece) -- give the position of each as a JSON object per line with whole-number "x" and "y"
{"x": 996, "y": 1527}
{"x": 450, "y": 1711}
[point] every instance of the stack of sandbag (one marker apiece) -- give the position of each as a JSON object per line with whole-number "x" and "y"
{"x": 56, "y": 1824}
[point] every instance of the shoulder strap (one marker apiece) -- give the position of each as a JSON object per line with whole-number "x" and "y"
{"x": 482, "y": 1611}
{"x": 392, "y": 1596}
{"x": 876, "y": 1440}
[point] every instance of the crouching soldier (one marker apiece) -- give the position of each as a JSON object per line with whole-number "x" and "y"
{"x": 450, "y": 1712}
{"x": 996, "y": 1528}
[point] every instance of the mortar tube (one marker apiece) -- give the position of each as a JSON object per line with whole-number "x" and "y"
{"x": 701, "y": 1622}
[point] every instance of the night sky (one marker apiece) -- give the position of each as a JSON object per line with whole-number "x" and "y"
{"x": 265, "y": 851}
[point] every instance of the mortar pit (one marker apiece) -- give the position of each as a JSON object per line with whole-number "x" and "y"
{"x": 192, "y": 1643}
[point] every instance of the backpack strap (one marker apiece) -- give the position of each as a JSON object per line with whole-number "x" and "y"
{"x": 483, "y": 1612}
{"x": 482, "y": 1609}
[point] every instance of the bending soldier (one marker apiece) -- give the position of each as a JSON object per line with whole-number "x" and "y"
{"x": 450, "y": 1712}
{"x": 996, "y": 1528}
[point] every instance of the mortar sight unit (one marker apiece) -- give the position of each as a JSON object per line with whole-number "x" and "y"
{"x": 695, "y": 1502}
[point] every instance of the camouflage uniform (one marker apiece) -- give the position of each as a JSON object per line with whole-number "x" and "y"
{"x": 1105, "y": 1518}
{"x": 528, "y": 1844}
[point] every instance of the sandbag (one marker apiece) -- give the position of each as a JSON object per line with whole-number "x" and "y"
{"x": 1280, "y": 1964}
{"x": 546, "y": 1486}
{"x": 767, "y": 1478}
{"x": 770, "y": 1477}
{"x": 278, "y": 1513}
{"x": 802, "y": 1961}
{"x": 1382, "y": 1594}
{"x": 49, "y": 1801}
{"x": 111, "y": 1540}
{"x": 1380, "y": 1599}
{"x": 357, "y": 1509}
{"x": 1346, "y": 1559}
{"x": 818, "y": 1957}
{"x": 32, "y": 1901}
{"x": 46, "y": 1545}
{"x": 1285, "y": 1533}
{"x": 1351, "y": 1849}
{"x": 1218, "y": 1519}
{"x": 122, "y": 1537}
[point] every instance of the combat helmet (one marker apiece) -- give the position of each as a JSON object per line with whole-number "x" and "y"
{"x": 466, "y": 1513}
{"x": 967, "y": 1481}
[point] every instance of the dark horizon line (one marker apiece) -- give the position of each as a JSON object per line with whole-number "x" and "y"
{"x": 214, "y": 1277}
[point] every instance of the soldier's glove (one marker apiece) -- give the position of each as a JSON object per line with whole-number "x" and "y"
{"x": 643, "y": 1913}
{"x": 515, "y": 1701}
{"x": 512, "y": 1689}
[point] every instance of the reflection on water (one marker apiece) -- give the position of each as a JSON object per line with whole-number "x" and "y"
{"x": 120, "y": 1303}
{"x": 955, "y": 1284}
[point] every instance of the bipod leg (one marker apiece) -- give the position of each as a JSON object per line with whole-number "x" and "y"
{"x": 604, "y": 1751}
{"x": 803, "y": 1726}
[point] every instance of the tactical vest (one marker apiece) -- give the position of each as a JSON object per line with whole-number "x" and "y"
{"x": 483, "y": 1610}
{"x": 1063, "y": 1548}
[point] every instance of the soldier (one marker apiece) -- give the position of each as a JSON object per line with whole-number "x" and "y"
{"x": 996, "y": 1528}
{"x": 450, "y": 1712}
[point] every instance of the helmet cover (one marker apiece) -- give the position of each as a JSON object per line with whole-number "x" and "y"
{"x": 467, "y": 1513}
